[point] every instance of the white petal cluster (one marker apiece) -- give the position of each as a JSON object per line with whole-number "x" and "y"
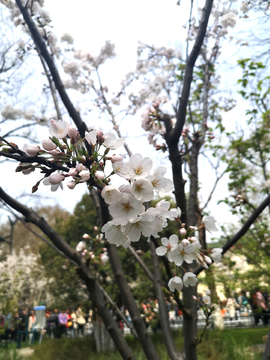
{"x": 130, "y": 220}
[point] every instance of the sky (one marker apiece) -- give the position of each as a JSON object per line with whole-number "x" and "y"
{"x": 124, "y": 22}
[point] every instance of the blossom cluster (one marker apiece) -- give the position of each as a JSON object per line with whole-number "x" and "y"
{"x": 130, "y": 217}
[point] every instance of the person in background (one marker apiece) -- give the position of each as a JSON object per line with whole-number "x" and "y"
{"x": 80, "y": 319}
{"x": 70, "y": 330}
{"x": 31, "y": 323}
{"x": 62, "y": 323}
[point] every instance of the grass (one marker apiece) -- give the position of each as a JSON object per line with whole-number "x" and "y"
{"x": 222, "y": 345}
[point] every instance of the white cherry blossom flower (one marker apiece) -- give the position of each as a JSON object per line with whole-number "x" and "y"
{"x": 142, "y": 226}
{"x": 183, "y": 253}
{"x": 139, "y": 167}
{"x": 58, "y": 128}
{"x": 111, "y": 142}
{"x": 206, "y": 299}
{"x": 160, "y": 184}
{"x": 175, "y": 283}
{"x": 55, "y": 180}
{"x": 80, "y": 246}
{"x": 142, "y": 190}
{"x": 114, "y": 234}
{"x": 72, "y": 132}
{"x": 189, "y": 279}
{"x": 216, "y": 254}
{"x": 104, "y": 258}
{"x": 120, "y": 168}
{"x": 168, "y": 246}
{"x": 127, "y": 209}
{"x": 110, "y": 194}
{"x": 91, "y": 137}
{"x": 209, "y": 223}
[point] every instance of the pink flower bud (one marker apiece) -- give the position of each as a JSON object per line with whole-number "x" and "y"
{"x": 182, "y": 231}
{"x": 31, "y": 150}
{"x": 71, "y": 185}
{"x": 85, "y": 175}
{"x": 28, "y": 171}
{"x": 207, "y": 259}
{"x": 72, "y": 132}
{"x": 86, "y": 236}
{"x": 185, "y": 242}
{"x": 95, "y": 228}
{"x": 72, "y": 172}
{"x": 99, "y": 175}
{"x": 80, "y": 167}
{"x": 116, "y": 158}
{"x": 55, "y": 153}
{"x": 56, "y": 178}
{"x": 92, "y": 256}
{"x": 48, "y": 144}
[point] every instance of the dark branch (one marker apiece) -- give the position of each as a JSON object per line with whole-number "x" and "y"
{"x": 233, "y": 240}
{"x": 181, "y": 113}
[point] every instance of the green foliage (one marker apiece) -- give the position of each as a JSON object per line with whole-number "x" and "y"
{"x": 222, "y": 345}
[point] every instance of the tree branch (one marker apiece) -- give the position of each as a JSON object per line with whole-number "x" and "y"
{"x": 181, "y": 113}
{"x": 233, "y": 240}
{"x": 163, "y": 313}
{"x": 40, "y": 44}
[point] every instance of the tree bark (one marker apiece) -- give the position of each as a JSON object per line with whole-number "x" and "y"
{"x": 163, "y": 313}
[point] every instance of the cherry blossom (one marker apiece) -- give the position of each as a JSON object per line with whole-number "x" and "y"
{"x": 31, "y": 150}
{"x": 116, "y": 158}
{"x": 183, "y": 253}
{"x": 175, "y": 283}
{"x": 127, "y": 209}
{"x": 114, "y": 234}
{"x": 120, "y": 168}
{"x": 58, "y": 128}
{"x": 141, "y": 226}
{"x": 80, "y": 246}
{"x": 111, "y": 142}
{"x": 48, "y": 144}
{"x": 85, "y": 175}
{"x": 142, "y": 190}
{"x": 139, "y": 167}
{"x": 110, "y": 194}
{"x": 209, "y": 223}
{"x": 216, "y": 254}
{"x": 91, "y": 137}
{"x": 159, "y": 183}
{"x": 104, "y": 258}
{"x": 189, "y": 279}
{"x": 71, "y": 185}
{"x": 99, "y": 175}
{"x": 72, "y": 132}
{"x": 168, "y": 247}
{"x": 206, "y": 299}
